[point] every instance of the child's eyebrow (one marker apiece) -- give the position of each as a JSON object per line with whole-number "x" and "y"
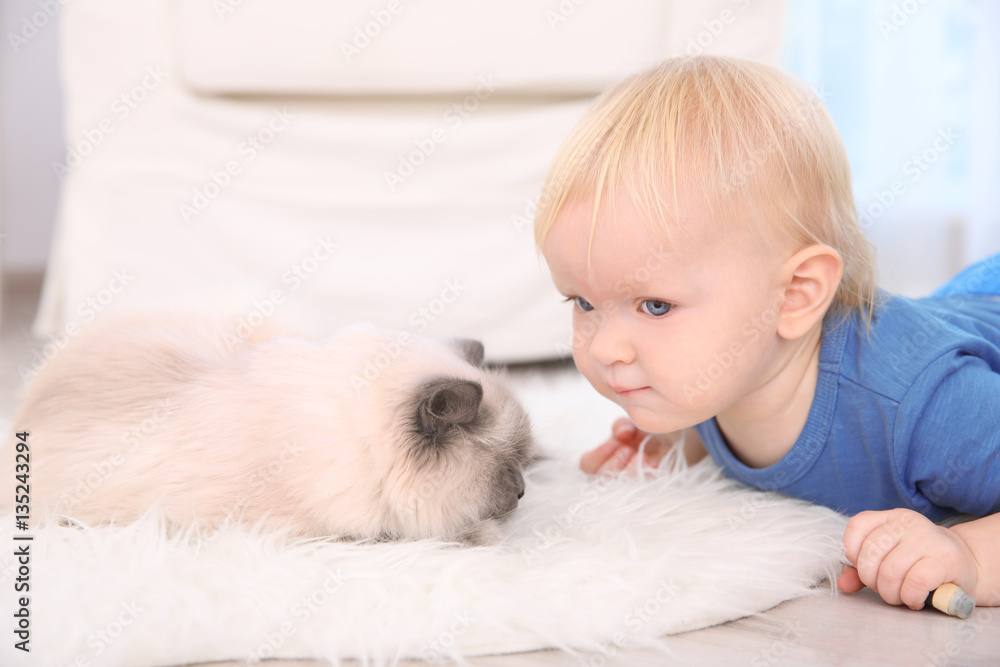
{"x": 561, "y": 288}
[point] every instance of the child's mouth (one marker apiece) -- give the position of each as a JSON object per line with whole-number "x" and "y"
{"x": 622, "y": 391}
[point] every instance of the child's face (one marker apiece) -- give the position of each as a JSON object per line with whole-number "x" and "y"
{"x": 674, "y": 332}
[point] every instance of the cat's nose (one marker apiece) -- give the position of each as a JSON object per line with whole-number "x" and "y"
{"x": 520, "y": 486}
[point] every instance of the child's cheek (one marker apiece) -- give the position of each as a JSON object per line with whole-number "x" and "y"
{"x": 583, "y": 332}
{"x": 588, "y": 369}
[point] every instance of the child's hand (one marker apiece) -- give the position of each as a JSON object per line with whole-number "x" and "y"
{"x": 903, "y": 556}
{"x": 620, "y": 451}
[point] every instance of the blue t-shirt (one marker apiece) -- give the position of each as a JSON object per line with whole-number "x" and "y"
{"x": 906, "y": 416}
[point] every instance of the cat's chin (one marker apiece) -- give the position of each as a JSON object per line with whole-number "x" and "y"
{"x": 483, "y": 534}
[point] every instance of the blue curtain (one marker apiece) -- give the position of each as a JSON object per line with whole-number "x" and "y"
{"x": 914, "y": 88}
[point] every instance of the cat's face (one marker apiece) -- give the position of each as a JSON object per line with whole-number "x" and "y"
{"x": 468, "y": 443}
{"x": 461, "y": 441}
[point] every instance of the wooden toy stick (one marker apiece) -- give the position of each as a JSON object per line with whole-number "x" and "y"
{"x": 952, "y": 600}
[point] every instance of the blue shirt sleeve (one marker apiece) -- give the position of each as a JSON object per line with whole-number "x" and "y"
{"x": 946, "y": 442}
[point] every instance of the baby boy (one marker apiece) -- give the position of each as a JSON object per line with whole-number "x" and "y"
{"x": 700, "y": 220}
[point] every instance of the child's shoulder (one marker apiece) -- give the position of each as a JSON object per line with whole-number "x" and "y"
{"x": 937, "y": 323}
{"x": 908, "y": 336}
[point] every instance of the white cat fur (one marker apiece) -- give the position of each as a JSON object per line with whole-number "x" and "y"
{"x": 331, "y": 437}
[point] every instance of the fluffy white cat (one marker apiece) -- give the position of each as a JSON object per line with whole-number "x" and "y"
{"x": 366, "y": 434}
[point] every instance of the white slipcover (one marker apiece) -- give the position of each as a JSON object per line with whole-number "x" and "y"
{"x": 235, "y": 155}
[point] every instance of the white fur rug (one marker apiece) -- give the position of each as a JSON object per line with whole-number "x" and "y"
{"x": 588, "y": 564}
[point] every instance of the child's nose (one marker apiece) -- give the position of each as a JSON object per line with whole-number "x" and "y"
{"x": 610, "y": 344}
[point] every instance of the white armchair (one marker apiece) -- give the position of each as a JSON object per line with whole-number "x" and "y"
{"x": 304, "y": 160}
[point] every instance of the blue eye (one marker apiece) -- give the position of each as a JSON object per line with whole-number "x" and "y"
{"x": 655, "y": 308}
{"x": 583, "y": 304}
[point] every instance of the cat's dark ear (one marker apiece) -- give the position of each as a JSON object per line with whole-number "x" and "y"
{"x": 471, "y": 349}
{"x": 446, "y": 402}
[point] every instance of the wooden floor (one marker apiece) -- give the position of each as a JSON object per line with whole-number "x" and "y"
{"x": 823, "y": 629}
{"x": 817, "y": 630}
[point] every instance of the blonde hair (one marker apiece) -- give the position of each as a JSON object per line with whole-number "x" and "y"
{"x": 735, "y": 135}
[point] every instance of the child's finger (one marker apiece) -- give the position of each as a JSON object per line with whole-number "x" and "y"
{"x": 623, "y": 429}
{"x": 620, "y": 460}
{"x": 877, "y": 546}
{"x": 925, "y": 575}
{"x": 623, "y": 432}
{"x": 893, "y": 570}
{"x": 656, "y": 447}
{"x": 849, "y": 581}
{"x": 592, "y": 461}
{"x": 859, "y": 527}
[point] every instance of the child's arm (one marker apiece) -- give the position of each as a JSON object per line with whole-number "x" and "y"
{"x": 983, "y": 538}
{"x": 902, "y": 556}
{"x": 619, "y": 452}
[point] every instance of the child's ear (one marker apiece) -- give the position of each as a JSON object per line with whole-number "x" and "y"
{"x": 810, "y": 279}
